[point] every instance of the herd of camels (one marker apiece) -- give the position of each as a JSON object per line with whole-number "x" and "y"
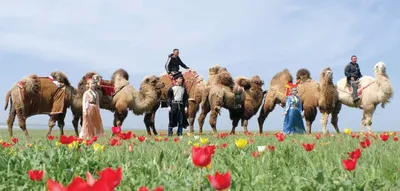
{"x": 242, "y": 97}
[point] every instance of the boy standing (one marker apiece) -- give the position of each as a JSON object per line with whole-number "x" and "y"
{"x": 177, "y": 101}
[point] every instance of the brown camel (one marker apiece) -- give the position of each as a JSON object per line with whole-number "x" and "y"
{"x": 139, "y": 101}
{"x": 241, "y": 97}
{"x": 372, "y": 91}
{"x": 309, "y": 94}
{"x": 328, "y": 102}
{"x": 275, "y": 95}
{"x": 35, "y": 95}
{"x": 105, "y": 97}
{"x": 194, "y": 84}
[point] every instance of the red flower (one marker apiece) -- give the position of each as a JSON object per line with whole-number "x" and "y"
{"x": 222, "y": 135}
{"x": 125, "y": 136}
{"x": 89, "y": 142}
{"x": 201, "y": 156}
{"x": 141, "y": 138}
{"x": 115, "y": 141}
{"x": 271, "y": 148}
{"x": 220, "y": 181}
{"x": 79, "y": 184}
{"x": 395, "y": 139}
{"x": 366, "y": 143}
{"x": 176, "y": 139}
{"x": 50, "y": 137}
{"x": 5, "y": 144}
{"x": 116, "y": 130}
{"x": 94, "y": 138}
{"x": 223, "y": 145}
{"x": 165, "y": 138}
{"x": 355, "y": 154}
{"x": 66, "y": 140}
{"x": 349, "y": 164}
{"x": 280, "y": 137}
{"x": 255, "y": 154}
{"x": 15, "y": 140}
{"x": 143, "y": 188}
{"x": 112, "y": 177}
{"x": 384, "y": 136}
{"x": 35, "y": 175}
{"x": 317, "y": 136}
{"x": 308, "y": 147}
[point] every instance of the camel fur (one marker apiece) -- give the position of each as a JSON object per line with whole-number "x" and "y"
{"x": 35, "y": 95}
{"x": 308, "y": 91}
{"x": 194, "y": 84}
{"x": 274, "y": 95}
{"x": 328, "y": 102}
{"x": 242, "y": 97}
{"x": 138, "y": 101}
{"x": 373, "y": 91}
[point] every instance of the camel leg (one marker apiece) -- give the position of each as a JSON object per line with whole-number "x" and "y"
{"x": 268, "y": 107}
{"x": 245, "y": 123}
{"x": 22, "y": 122}
{"x": 119, "y": 117}
{"x": 75, "y": 122}
{"x": 192, "y": 110}
{"x": 51, "y": 124}
{"x": 205, "y": 109}
{"x": 334, "y": 117}
{"x": 362, "y": 123}
{"x": 152, "y": 124}
{"x": 368, "y": 113}
{"x": 310, "y": 113}
{"x": 148, "y": 122}
{"x": 324, "y": 121}
{"x": 213, "y": 118}
{"x": 10, "y": 120}
{"x": 235, "y": 123}
{"x": 61, "y": 122}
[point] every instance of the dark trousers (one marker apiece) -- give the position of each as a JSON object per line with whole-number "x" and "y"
{"x": 354, "y": 85}
{"x": 179, "y": 132}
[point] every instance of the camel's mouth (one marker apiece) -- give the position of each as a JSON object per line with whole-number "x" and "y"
{"x": 160, "y": 85}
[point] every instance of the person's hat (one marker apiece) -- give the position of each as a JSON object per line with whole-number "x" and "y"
{"x": 293, "y": 90}
{"x": 177, "y": 75}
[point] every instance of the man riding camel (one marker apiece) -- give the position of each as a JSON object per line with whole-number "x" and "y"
{"x": 173, "y": 63}
{"x": 353, "y": 74}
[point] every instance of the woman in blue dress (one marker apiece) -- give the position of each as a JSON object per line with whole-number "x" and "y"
{"x": 293, "y": 118}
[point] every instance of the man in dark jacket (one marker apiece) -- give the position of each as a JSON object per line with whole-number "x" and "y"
{"x": 173, "y": 63}
{"x": 177, "y": 101}
{"x": 353, "y": 73}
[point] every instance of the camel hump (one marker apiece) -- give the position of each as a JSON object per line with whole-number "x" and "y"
{"x": 303, "y": 74}
{"x": 120, "y": 73}
{"x": 243, "y": 82}
{"x": 30, "y": 84}
{"x": 60, "y": 77}
{"x": 225, "y": 79}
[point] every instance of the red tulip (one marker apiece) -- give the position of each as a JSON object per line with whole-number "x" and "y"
{"x": 116, "y": 130}
{"x": 366, "y": 143}
{"x": 201, "y": 156}
{"x": 89, "y": 142}
{"x": 384, "y": 136}
{"x": 112, "y": 177}
{"x": 223, "y": 145}
{"x": 317, "y": 136}
{"x": 308, "y": 147}
{"x": 141, "y": 138}
{"x": 115, "y": 142}
{"x": 79, "y": 184}
{"x": 176, "y": 139}
{"x": 280, "y": 137}
{"x": 220, "y": 181}
{"x": 349, "y": 164}
{"x": 94, "y": 138}
{"x": 15, "y": 140}
{"x": 125, "y": 136}
{"x": 271, "y": 148}
{"x": 50, "y": 137}
{"x": 395, "y": 139}
{"x": 143, "y": 188}
{"x": 66, "y": 140}
{"x": 355, "y": 154}
{"x": 255, "y": 154}
{"x": 222, "y": 135}
{"x": 35, "y": 175}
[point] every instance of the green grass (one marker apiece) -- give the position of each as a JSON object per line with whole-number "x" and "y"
{"x": 164, "y": 163}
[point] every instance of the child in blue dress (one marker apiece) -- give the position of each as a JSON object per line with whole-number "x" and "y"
{"x": 293, "y": 114}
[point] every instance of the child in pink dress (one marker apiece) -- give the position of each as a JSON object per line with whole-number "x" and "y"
{"x": 91, "y": 121}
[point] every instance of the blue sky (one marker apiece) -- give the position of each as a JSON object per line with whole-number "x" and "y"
{"x": 248, "y": 37}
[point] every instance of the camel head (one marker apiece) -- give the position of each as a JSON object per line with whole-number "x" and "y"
{"x": 214, "y": 70}
{"x": 256, "y": 82}
{"x": 303, "y": 75}
{"x": 327, "y": 74}
{"x": 152, "y": 81}
{"x": 380, "y": 68}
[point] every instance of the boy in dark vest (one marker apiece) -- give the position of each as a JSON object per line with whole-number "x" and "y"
{"x": 177, "y": 101}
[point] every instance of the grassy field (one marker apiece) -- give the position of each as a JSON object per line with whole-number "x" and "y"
{"x": 168, "y": 163}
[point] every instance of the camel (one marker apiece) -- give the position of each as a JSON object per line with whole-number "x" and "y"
{"x": 105, "y": 97}
{"x": 309, "y": 94}
{"x": 275, "y": 95}
{"x": 242, "y": 97}
{"x": 35, "y": 95}
{"x": 194, "y": 84}
{"x": 372, "y": 91}
{"x": 140, "y": 101}
{"x": 328, "y": 102}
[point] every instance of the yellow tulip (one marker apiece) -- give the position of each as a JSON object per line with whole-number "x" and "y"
{"x": 159, "y": 138}
{"x": 241, "y": 143}
{"x": 58, "y": 144}
{"x": 203, "y": 141}
{"x": 196, "y": 144}
{"x": 73, "y": 145}
{"x": 190, "y": 142}
{"x": 97, "y": 147}
{"x": 209, "y": 166}
{"x": 347, "y": 131}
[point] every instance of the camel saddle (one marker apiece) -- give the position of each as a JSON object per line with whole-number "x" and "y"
{"x": 360, "y": 89}
{"x": 108, "y": 89}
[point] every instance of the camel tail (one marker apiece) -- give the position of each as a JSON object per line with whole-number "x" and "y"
{"x": 8, "y": 99}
